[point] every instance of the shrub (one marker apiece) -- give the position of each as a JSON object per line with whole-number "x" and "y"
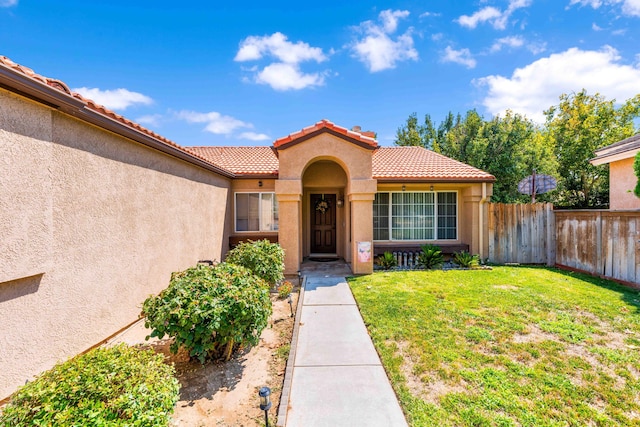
{"x": 430, "y": 257}
{"x": 284, "y": 290}
{"x": 263, "y": 258}
{"x": 209, "y": 310}
{"x": 117, "y": 386}
{"x": 387, "y": 261}
{"x": 465, "y": 260}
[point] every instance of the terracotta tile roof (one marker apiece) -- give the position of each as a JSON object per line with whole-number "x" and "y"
{"x": 417, "y": 163}
{"x": 241, "y": 160}
{"x": 100, "y": 109}
{"x": 364, "y": 138}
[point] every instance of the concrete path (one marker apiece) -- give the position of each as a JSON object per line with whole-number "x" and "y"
{"x": 338, "y": 379}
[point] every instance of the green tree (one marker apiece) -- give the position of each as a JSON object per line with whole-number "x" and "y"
{"x": 579, "y": 125}
{"x": 459, "y": 140}
{"x": 510, "y": 151}
{"x": 414, "y": 134}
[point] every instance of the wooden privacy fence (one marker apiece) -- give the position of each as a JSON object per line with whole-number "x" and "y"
{"x": 604, "y": 243}
{"x": 521, "y": 233}
{"x": 600, "y": 242}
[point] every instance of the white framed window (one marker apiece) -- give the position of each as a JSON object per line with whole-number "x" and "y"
{"x": 413, "y": 215}
{"x": 256, "y": 212}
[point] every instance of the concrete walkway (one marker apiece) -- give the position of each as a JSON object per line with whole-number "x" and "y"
{"x": 337, "y": 377}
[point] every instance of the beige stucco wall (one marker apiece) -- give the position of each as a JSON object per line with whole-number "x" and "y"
{"x": 622, "y": 181}
{"x": 90, "y": 225}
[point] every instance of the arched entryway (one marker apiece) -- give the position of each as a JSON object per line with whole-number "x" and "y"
{"x": 324, "y": 185}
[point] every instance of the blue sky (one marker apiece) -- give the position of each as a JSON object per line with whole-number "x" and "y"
{"x": 247, "y": 73}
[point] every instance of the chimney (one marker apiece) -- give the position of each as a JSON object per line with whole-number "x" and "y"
{"x": 370, "y": 134}
{"x": 357, "y": 129}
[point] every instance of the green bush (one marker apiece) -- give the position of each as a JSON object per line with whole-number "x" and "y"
{"x": 387, "y": 261}
{"x": 117, "y": 386}
{"x": 430, "y": 257}
{"x": 465, "y": 260}
{"x": 210, "y": 309}
{"x": 263, "y": 258}
{"x": 285, "y": 289}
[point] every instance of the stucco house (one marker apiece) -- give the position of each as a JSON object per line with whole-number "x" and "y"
{"x": 96, "y": 211}
{"x": 622, "y": 179}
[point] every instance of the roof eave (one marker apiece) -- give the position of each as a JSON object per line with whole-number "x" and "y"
{"x": 614, "y": 157}
{"x": 465, "y": 180}
{"x": 239, "y": 175}
{"x": 315, "y": 133}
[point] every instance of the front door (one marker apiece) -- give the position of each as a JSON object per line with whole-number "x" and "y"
{"x": 323, "y": 223}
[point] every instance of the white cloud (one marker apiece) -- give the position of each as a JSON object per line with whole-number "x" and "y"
{"x": 462, "y": 57}
{"x": 150, "y": 119}
{"x": 378, "y": 50}
{"x": 285, "y": 72}
{"x": 437, "y": 37}
{"x": 489, "y": 13}
{"x": 282, "y": 76}
{"x": 537, "y": 48}
{"x": 390, "y": 18}
{"x": 276, "y": 45}
{"x": 118, "y": 99}
{"x": 629, "y": 7}
{"x": 511, "y": 41}
{"x": 593, "y": 3}
{"x": 253, "y": 136}
{"x": 596, "y": 27}
{"x": 428, "y": 14}
{"x": 215, "y": 122}
{"x": 536, "y": 87}
{"x": 8, "y": 3}
{"x": 497, "y": 18}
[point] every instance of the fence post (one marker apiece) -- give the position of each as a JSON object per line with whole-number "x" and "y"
{"x": 551, "y": 234}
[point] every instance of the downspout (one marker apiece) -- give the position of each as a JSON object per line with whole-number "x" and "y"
{"x": 481, "y": 219}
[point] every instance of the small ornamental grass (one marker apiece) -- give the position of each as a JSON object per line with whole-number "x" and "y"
{"x": 209, "y": 310}
{"x": 117, "y": 386}
{"x": 263, "y": 258}
{"x": 430, "y": 257}
{"x": 465, "y": 260}
{"x": 387, "y": 261}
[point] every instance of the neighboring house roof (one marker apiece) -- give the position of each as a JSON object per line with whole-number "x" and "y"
{"x": 56, "y": 94}
{"x": 418, "y": 163}
{"x": 620, "y": 150}
{"x": 389, "y": 164}
{"x": 254, "y": 161}
{"x": 363, "y": 139}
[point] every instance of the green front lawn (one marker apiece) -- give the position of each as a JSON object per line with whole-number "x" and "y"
{"x": 513, "y": 346}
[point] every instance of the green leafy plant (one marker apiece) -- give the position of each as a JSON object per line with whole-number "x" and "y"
{"x": 636, "y": 168}
{"x": 210, "y": 310}
{"x": 465, "y": 260}
{"x": 430, "y": 257}
{"x": 117, "y": 386}
{"x": 263, "y": 258}
{"x": 284, "y": 290}
{"x": 387, "y": 261}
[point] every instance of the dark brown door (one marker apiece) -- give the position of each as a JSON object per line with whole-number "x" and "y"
{"x": 323, "y": 223}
